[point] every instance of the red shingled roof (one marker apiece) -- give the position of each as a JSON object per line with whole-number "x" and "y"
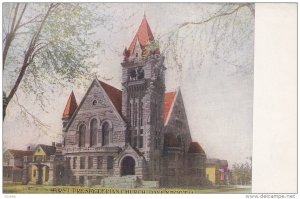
{"x": 71, "y": 106}
{"x": 169, "y": 98}
{"x": 114, "y": 94}
{"x": 143, "y": 36}
{"x": 20, "y": 153}
{"x": 195, "y": 148}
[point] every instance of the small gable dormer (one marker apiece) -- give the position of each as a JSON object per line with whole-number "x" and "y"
{"x": 143, "y": 43}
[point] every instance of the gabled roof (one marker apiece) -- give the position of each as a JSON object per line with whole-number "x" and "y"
{"x": 168, "y": 101}
{"x": 143, "y": 36}
{"x": 19, "y": 153}
{"x": 49, "y": 150}
{"x": 114, "y": 94}
{"x": 71, "y": 106}
{"x": 195, "y": 148}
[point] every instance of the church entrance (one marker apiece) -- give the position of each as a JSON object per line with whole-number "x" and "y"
{"x": 128, "y": 166}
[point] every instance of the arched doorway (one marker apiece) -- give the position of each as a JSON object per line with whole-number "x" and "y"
{"x": 128, "y": 166}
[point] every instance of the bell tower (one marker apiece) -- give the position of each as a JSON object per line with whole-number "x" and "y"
{"x": 143, "y": 86}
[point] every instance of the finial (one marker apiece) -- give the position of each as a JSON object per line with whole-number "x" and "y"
{"x": 144, "y": 14}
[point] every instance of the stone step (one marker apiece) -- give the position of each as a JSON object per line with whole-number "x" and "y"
{"x": 121, "y": 182}
{"x": 150, "y": 184}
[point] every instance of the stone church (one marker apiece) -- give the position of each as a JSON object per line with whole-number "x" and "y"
{"x": 139, "y": 132}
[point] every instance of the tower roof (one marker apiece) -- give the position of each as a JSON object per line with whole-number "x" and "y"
{"x": 143, "y": 36}
{"x": 71, "y": 106}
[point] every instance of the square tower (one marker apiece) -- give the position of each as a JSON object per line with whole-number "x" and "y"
{"x": 143, "y": 88}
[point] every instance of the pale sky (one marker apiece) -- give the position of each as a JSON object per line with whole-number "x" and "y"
{"x": 216, "y": 79}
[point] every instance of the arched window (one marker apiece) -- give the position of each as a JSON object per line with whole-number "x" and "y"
{"x": 135, "y": 114}
{"x": 130, "y": 120}
{"x": 105, "y": 134}
{"x": 93, "y": 133}
{"x": 141, "y": 114}
{"x": 81, "y": 140}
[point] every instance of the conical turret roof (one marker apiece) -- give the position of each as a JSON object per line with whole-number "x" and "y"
{"x": 71, "y": 106}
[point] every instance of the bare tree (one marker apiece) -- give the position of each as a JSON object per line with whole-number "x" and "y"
{"x": 33, "y": 48}
{"x": 51, "y": 42}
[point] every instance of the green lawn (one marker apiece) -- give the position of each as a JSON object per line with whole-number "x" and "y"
{"x": 14, "y": 188}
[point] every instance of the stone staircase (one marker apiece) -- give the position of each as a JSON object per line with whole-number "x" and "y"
{"x": 150, "y": 184}
{"x": 128, "y": 182}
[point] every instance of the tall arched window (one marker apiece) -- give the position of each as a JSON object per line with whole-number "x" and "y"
{"x": 130, "y": 120}
{"x": 105, "y": 134}
{"x": 93, "y": 133}
{"x": 135, "y": 114}
{"x": 81, "y": 141}
{"x": 141, "y": 114}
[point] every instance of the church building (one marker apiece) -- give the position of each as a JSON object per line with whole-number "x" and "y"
{"x": 139, "y": 132}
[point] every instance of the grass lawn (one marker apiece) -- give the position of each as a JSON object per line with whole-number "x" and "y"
{"x": 16, "y": 188}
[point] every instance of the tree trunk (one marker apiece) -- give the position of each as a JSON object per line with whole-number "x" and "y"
{"x": 29, "y": 55}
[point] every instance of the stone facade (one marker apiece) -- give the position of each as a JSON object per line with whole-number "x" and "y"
{"x": 140, "y": 131}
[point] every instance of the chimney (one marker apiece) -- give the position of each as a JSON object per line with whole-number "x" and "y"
{"x": 53, "y": 143}
{"x": 28, "y": 148}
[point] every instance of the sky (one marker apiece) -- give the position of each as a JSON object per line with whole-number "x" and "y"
{"x": 215, "y": 75}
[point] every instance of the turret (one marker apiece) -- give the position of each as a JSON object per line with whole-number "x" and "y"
{"x": 70, "y": 108}
{"x": 143, "y": 81}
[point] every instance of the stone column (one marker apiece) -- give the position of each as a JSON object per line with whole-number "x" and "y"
{"x": 39, "y": 179}
{"x": 51, "y": 180}
{"x": 86, "y": 162}
{"x": 25, "y": 173}
{"x": 52, "y": 172}
{"x": 104, "y": 163}
{"x": 95, "y": 162}
{"x": 78, "y": 162}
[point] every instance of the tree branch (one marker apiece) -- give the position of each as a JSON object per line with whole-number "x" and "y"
{"x": 33, "y": 20}
{"x": 216, "y": 16}
{"x": 20, "y": 18}
{"x": 14, "y": 18}
{"x": 9, "y": 37}
{"x": 29, "y": 54}
{"x": 35, "y": 119}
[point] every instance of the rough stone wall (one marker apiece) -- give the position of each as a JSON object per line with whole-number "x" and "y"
{"x": 150, "y": 91}
{"x": 195, "y": 169}
{"x": 178, "y": 123}
{"x": 172, "y": 167}
{"x": 103, "y": 111}
{"x": 92, "y": 172}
